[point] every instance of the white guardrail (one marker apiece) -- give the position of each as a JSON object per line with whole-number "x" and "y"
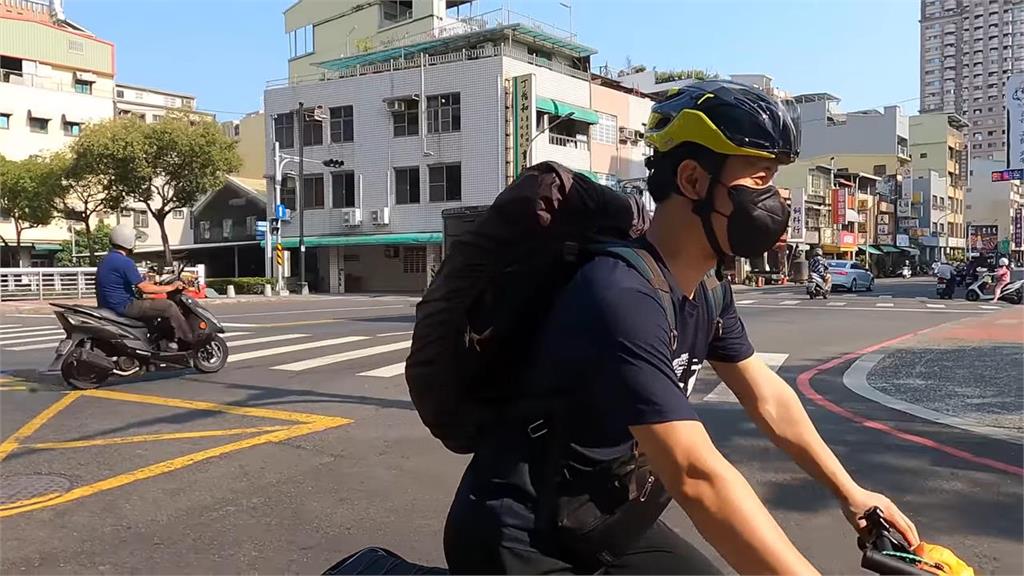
{"x": 59, "y": 283}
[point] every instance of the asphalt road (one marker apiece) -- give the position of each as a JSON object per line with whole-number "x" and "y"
{"x": 306, "y": 448}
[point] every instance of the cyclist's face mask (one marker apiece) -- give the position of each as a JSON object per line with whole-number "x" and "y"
{"x": 758, "y": 219}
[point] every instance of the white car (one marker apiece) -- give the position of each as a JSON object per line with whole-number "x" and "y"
{"x": 850, "y": 275}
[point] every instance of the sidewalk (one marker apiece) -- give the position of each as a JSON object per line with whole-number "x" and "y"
{"x": 972, "y": 369}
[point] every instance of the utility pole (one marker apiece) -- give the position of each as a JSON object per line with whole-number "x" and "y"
{"x": 303, "y": 288}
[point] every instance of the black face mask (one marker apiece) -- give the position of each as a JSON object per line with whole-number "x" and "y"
{"x": 758, "y": 219}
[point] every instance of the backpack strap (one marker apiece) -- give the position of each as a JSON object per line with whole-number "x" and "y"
{"x": 642, "y": 261}
{"x": 715, "y": 298}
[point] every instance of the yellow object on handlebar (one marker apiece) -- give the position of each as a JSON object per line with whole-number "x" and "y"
{"x": 941, "y": 560}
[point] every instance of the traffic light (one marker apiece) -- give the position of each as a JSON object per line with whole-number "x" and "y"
{"x": 333, "y": 163}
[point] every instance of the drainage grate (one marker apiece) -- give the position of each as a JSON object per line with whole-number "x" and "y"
{"x": 17, "y": 488}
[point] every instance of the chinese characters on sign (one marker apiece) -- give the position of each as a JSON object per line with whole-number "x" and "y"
{"x": 1018, "y": 227}
{"x": 1007, "y": 175}
{"x": 523, "y": 114}
{"x": 838, "y": 206}
{"x": 982, "y": 237}
{"x": 1015, "y": 110}
{"x": 796, "y": 216}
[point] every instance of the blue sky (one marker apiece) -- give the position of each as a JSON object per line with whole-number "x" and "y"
{"x": 864, "y": 51}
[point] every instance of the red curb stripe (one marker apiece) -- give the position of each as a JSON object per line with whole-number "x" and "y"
{"x": 803, "y": 382}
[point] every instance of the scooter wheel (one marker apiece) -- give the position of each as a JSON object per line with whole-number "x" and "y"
{"x": 76, "y": 379}
{"x": 212, "y": 357}
{"x": 972, "y": 296}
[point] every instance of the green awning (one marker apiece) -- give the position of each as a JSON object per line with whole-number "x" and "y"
{"x": 590, "y": 175}
{"x": 889, "y": 248}
{"x": 364, "y": 240}
{"x": 559, "y": 108}
{"x": 871, "y": 250}
{"x": 38, "y": 247}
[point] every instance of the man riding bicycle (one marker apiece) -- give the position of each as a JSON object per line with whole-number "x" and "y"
{"x": 607, "y": 343}
{"x": 116, "y": 279}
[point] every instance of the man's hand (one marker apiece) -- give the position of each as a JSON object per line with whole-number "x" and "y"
{"x": 860, "y": 500}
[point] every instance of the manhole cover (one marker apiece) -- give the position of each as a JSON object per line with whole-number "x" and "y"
{"x": 27, "y": 486}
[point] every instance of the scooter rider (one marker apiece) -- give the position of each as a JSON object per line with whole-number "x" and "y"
{"x": 819, "y": 266}
{"x": 116, "y": 276}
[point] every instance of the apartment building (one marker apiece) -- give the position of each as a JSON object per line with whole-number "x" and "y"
{"x": 938, "y": 143}
{"x": 968, "y": 49}
{"x": 427, "y": 126}
{"x": 930, "y": 213}
{"x": 55, "y": 77}
{"x": 997, "y": 204}
{"x": 250, "y": 133}
{"x": 318, "y": 31}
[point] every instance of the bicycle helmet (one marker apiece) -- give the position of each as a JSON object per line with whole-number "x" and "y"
{"x": 123, "y": 236}
{"x": 728, "y": 118}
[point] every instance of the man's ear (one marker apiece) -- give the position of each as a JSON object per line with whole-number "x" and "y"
{"x": 691, "y": 179}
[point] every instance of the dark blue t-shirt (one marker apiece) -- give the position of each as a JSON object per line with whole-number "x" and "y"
{"x": 606, "y": 347}
{"x": 116, "y": 278}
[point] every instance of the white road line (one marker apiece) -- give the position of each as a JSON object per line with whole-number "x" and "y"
{"x": 31, "y": 315}
{"x": 935, "y": 305}
{"x": 1007, "y": 321}
{"x": 746, "y": 301}
{"x": 32, "y": 346}
{"x": 274, "y": 338}
{"x": 6, "y": 338}
{"x": 722, "y": 393}
{"x": 836, "y": 304}
{"x": 866, "y": 309}
{"x": 884, "y": 305}
{"x": 885, "y": 296}
{"x": 230, "y": 334}
{"x": 984, "y": 307}
{"x": 855, "y": 378}
{"x": 788, "y": 302}
{"x": 5, "y": 326}
{"x": 294, "y": 347}
{"x": 9, "y": 331}
{"x": 395, "y": 334}
{"x": 342, "y": 357}
{"x": 385, "y": 371}
{"x": 289, "y": 312}
{"x": 39, "y": 339}
{"x": 236, "y": 325}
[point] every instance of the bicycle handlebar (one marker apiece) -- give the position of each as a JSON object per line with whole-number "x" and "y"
{"x": 882, "y": 550}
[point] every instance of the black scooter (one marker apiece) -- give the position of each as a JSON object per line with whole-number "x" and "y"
{"x": 101, "y": 342}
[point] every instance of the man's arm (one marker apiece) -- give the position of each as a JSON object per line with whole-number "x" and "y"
{"x": 718, "y": 500}
{"x": 776, "y": 409}
{"x": 148, "y": 287}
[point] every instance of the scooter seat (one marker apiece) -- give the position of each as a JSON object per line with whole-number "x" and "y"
{"x": 114, "y": 317}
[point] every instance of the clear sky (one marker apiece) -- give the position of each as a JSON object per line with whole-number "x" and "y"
{"x": 223, "y": 51}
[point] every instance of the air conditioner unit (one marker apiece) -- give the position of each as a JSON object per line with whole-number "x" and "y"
{"x": 395, "y": 105}
{"x": 627, "y": 134}
{"x": 380, "y": 216}
{"x": 351, "y": 217}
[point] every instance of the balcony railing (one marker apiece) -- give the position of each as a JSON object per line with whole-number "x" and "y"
{"x": 18, "y": 78}
{"x": 568, "y": 142}
{"x": 456, "y": 26}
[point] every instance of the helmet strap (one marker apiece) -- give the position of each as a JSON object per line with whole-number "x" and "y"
{"x": 704, "y": 208}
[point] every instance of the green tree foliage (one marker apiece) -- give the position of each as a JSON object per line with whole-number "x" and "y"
{"x": 28, "y": 192}
{"x": 694, "y": 73}
{"x": 94, "y": 241}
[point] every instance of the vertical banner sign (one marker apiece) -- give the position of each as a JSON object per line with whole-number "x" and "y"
{"x": 906, "y": 194}
{"x": 523, "y": 109}
{"x": 1018, "y": 227}
{"x": 796, "y": 215}
{"x": 838, "y": 206}
{"x": 982, "y": 238}
{"x": 1015, "y": 129}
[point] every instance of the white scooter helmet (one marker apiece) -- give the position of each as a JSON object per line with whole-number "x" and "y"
{"x": 1004, "y": 262}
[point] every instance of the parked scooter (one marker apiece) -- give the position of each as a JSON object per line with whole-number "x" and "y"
{"x": 983, "y": 289}
{"x": 906, "y": 271}
{"x": 816, "y": 286}
{"x": 100, "y": 342}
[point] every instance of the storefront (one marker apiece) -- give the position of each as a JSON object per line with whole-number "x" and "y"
{"x": 845, "y": 249}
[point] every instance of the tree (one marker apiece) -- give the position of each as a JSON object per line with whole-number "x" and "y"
{"x": 167, "y": 166}
{"x": 91, "y": 241}
{"x": 85, "y": 184}
{"x": 28, "y": 192}
{"x": 673, "y": 75}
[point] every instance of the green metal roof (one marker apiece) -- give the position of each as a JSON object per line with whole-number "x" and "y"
{"x": 364, "y": 240}
{"x": 871, "y": 250}
{"x": 42, "y": 247}
{"x": 888, "y": 248}
{"x": 559, "y": 108}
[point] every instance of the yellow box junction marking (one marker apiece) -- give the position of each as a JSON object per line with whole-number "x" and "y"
{"x": 302, "y": 424}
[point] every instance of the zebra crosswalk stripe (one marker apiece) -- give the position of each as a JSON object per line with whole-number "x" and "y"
{"x": 342, "y": 357}
{"x": 261, "y": 340}
{"x": 7, "y": 338}
{"x": 385, "y": 371}
{"x": 294, "y": 347}
{"x": 722, "y": 393}
{"x": 37, "y": 339}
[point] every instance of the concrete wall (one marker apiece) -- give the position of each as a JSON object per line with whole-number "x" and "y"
{"x": 252, "y": 145}
{"x": 623, "y": 159}
{"x": 870, "y": 133}
{"x": 43, "y": 42}
{"x": 992, "y": 202}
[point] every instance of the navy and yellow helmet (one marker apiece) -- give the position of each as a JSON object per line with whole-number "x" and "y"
{"x": 728, "y": 118}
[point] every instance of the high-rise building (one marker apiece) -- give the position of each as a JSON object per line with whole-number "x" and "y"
{"x": 968, "y": 49}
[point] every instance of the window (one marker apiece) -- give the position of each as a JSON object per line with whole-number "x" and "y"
{"x": 76, "y": 46}
{"x": 342, "y": 127}
{"x": 394, "y": 11}
{"x": 288, "y": 192}
{"x": 284, "y": 129}
{"x": 72, "y": 128}
{"x": 313, "y": 191}
{"x": 39, "y": 125}
{"x": 5, "y": 121}
{"x": 227, "y": 225}
{"x": 407, "y": 123}
{"x": 119, "y": 93}
{"x": 178, "y": 214}
{"x": 312, "y": 129}
{"x": 343, "y": 190}
{"x": 83, "y": 87}
{"x": 158, "y": 117}
{"x": 407, "y": 185}
{"x": 140, "y": 219}
{"x": 250, "y": 225}
{"x": 300, "y": 41}
{"x": 444, "y": 113}
{"x": 606, "y": 130}
{"x": 445, "y": 183}
{"x": 879, "y": 169}
{"x": 414, "y": 260}
{"x": 204, "y": 229}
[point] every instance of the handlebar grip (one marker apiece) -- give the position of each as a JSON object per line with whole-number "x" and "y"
{"x": 881, "y": 564}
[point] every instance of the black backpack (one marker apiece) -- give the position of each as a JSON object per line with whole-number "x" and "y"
{"x": 477, "y": 322}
